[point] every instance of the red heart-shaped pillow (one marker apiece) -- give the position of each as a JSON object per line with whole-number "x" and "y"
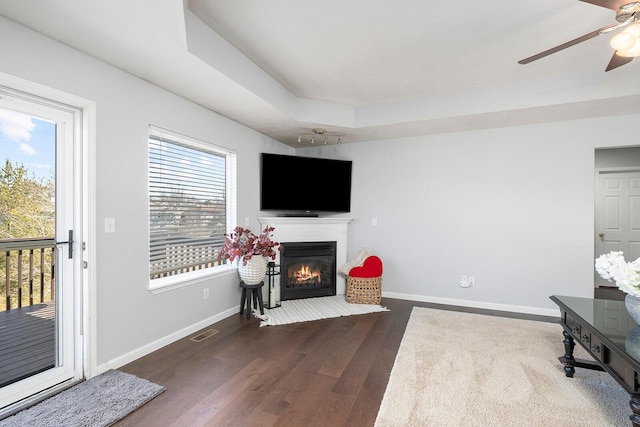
{"x": 372, "y": 267}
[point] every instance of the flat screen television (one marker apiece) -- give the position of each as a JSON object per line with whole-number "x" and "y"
{"x": 304, "y": 186}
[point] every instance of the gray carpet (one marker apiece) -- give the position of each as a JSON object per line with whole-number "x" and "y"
{"x": 97, "y": 402}
{"x": 463, "y": 369}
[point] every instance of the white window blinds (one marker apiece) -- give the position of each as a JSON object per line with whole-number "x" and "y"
{"x": 188, "y": 203}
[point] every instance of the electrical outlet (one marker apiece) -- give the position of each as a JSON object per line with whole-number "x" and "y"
{"x": 464, "y": 282}
{"x": 471, "y": 280}
{"x": 205, "y": 293}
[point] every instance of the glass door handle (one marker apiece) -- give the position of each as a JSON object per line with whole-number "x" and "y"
{"x": 68, "y": 242}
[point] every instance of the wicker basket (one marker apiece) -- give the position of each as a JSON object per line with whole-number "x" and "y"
{"x": 364, "y": 290}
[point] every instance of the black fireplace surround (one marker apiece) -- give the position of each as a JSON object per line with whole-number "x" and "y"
{"x": 308, "y": 270}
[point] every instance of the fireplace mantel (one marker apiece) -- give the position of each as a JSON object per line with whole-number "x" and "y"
{"x": 304, "y": 229}
{"x": 303, "y": 220}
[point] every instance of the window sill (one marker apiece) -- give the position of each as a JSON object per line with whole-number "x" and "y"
{"x": 170, "y": 283}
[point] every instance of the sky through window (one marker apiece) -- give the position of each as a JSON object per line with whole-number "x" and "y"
{"x": 28, "y": 141}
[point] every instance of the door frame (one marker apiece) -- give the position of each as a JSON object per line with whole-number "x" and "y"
{"x": 598, "y": 200}
{"x": 84, "y": 224}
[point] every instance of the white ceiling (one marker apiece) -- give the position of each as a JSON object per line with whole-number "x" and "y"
{"x": 361, "y": 69}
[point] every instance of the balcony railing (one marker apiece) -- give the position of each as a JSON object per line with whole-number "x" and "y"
{"x": 176, "y": 255}
{"x": 28, "y": 271}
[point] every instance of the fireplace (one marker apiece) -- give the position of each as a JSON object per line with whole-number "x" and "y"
{"x": 308, "y": 269}
{"x": 323, "y": 229}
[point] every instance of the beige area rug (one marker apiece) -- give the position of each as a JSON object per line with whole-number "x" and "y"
{"x": 462, "y": 369}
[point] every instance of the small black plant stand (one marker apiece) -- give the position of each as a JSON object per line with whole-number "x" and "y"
{"x": 249, "y": 293}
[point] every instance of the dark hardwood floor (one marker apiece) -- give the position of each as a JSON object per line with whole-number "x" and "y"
{"x": 329, "y": 372}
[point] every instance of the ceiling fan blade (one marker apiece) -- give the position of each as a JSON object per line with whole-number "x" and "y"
{"x": 618, "y": 61}
{"x": 563, "y": 46}
{"x": 609, "y": 4}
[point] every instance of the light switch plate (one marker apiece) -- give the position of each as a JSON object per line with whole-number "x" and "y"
{"x": 109, "y": 225}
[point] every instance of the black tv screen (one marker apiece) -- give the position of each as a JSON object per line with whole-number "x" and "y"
{"x": 297, "y": 185}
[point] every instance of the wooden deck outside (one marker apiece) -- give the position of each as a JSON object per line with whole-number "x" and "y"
{"x": 27, "y": 341}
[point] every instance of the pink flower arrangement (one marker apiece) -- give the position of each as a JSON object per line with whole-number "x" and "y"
{"x": 243, "y": 244}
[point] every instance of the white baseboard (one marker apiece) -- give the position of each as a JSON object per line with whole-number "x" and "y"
{"x": 475, "y": 304}
{"x": 153, "y": 346}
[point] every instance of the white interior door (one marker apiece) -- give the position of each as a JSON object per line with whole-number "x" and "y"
{"x": 66, "y": 342}
{"x": 617, "y": 215}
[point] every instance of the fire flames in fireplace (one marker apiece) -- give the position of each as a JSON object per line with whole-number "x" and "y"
{"x": 305, "y": 276}
{"x": 308, "y": 269}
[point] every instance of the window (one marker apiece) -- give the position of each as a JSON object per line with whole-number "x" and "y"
{"x": 191, "y": 202}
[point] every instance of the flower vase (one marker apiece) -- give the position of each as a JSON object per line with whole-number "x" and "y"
{"x": 632, "y": 343}
{"x": 255, "y": 270}
{"x": 632, "y": 303}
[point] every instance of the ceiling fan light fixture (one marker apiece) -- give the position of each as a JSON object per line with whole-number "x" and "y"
{"x": 627, "y": 42}
{"x": 630, "y": 53}
{"x": 633, "y": 29}
{"x": 622, "y": 41}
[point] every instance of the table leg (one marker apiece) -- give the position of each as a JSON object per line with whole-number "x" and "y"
{"x": 249, "y": 305}
{"x": 634, "y": 403}
{"x": 567, "y": 359}
{"x": 242, "y": 299}
{"x": 255, "y": 298}
{"x": 260, "y": 302}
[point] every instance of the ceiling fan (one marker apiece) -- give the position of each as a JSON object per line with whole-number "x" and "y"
{"x": 625, "y": 43}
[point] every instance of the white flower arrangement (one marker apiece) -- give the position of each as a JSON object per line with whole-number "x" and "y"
{"x": 626, "y": 275}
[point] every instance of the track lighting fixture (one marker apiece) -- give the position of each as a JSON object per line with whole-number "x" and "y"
{"x": 327, "y": 136}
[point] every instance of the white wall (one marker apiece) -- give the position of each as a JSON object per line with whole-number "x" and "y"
{"x": 512, "y": 207}
{"x": 130, "y": 319}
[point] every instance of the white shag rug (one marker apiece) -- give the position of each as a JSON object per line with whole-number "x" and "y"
{"x": 463, "y": 369}
{"x": 307, "y": 309}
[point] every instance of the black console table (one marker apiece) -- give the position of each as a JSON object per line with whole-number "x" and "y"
{"x": 607, "y": 332}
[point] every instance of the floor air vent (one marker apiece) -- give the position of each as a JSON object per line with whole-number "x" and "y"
{"x": 204, "y": 335}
